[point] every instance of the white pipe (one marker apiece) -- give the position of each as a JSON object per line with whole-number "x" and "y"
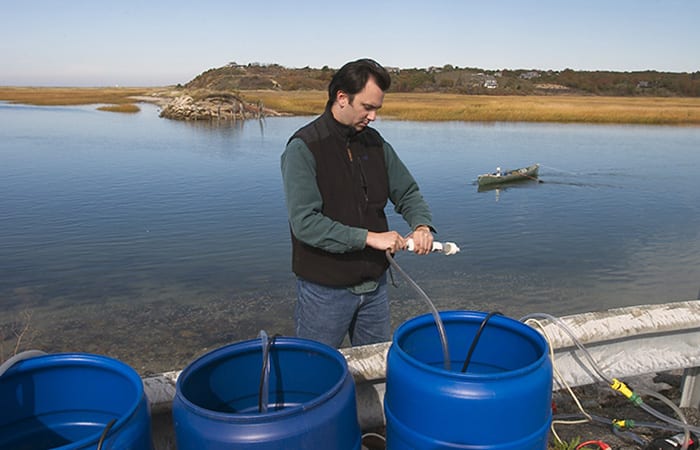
{"x": 447, "y": 248}
{"x": 4, "y": 367}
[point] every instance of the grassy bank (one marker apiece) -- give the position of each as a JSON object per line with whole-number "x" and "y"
{"x": 54, "y": 96}
{"x": 128, "y": 108}
{"x": 484, "y": 108}
{"x": 414, "y": 106}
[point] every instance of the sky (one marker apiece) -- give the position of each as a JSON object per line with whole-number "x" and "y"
{"x": 159, "y": 43}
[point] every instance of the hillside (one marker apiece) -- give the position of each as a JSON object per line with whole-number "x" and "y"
{"x": 450, "y": 79}
{"x": 234, "y": 77}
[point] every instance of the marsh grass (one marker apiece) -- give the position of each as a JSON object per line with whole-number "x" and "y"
{"x": 301, "y": 103}
{"x": 128, "y": 108}
{"x": 634, "y": 110}
{"x": 53, "y": 96}
{"x": 416, "y": 106}
{"x": 485, "y": 108}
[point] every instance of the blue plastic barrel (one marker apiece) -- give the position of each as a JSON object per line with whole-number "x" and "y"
{"x": 73, "y": 401}
{"x": 310, "y": 399}
{"x": 502, "y": 401}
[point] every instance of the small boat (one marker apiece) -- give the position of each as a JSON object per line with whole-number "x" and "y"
{"x": 498, "y": 177}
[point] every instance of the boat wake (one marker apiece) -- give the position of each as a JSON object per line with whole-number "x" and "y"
{"x": 595, "y": 179}
{"x": 586, "y": 184}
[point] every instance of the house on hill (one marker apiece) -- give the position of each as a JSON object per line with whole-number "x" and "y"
{"x": 530, "y": 75}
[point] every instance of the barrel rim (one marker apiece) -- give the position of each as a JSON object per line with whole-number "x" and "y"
{"x": 283, "y": 342}
{"x": 74, "y": 359}
{"x": 455, "y": 315}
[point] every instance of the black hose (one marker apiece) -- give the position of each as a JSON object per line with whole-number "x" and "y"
{"x": 607, "y": 421}
{"x": 105, "y": 432}
{"x": 266, "y": 361}
{"x": 433, "y": 310}
{"x": 628, "y": 435}
{"x": 467, "y": 360}
{"x": 603, "y": 421}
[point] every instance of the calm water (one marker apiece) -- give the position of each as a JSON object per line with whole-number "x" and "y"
{"x": 152, "y": 241}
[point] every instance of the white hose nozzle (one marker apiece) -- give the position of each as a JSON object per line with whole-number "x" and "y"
{"x": 447, "y": 248}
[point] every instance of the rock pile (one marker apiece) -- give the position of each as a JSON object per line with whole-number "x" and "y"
{"x": 214, "y": 107}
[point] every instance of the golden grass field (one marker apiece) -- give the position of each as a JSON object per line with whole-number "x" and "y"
{"x": 54, "y": 96}
{"x": 410, "y": 106}
{"x": 491, "y": 108}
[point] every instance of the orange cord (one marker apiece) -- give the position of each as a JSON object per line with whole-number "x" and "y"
{"x": 601, "y": 445}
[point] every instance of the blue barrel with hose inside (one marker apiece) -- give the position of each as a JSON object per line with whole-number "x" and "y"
{"x": 501, "y": 401}
{"x": 307, "y": 402}
{"x": 73, "y": 401}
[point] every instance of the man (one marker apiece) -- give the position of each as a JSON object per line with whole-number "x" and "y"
{"x": 338, "y": 174}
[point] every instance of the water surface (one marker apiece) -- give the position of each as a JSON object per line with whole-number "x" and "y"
{"x": 153, "y": 240}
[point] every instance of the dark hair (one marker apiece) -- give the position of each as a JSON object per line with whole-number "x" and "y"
{"x": 353, "y": 76}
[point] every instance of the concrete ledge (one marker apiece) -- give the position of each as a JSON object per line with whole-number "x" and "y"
{"x": 624, "y": 342}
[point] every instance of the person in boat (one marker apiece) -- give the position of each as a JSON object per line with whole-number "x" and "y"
{"x": 338, "y": 174}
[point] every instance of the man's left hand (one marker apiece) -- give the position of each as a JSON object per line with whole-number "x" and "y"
{"x": 422, "y": 240}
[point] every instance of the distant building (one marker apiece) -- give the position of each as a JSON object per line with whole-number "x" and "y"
{"x": 529, "y": 75}
{"x": 490, "y": 83}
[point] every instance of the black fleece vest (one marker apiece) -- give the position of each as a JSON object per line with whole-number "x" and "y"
{"x": 354, "y": 193}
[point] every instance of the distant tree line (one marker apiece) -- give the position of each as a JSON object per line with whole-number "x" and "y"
{"x": 633, "y": 83}
{"x": 451, "y": 79}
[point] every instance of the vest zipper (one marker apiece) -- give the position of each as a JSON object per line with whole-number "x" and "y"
{"x": 363, "y": 178}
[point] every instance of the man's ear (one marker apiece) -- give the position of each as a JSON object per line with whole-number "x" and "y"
{"x": 342, "y": 98}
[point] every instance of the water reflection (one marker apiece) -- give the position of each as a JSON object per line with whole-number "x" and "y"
{"x": 221, "y": 126}
{"x": 498, "y": 189}
{"x": 519, "y": 184}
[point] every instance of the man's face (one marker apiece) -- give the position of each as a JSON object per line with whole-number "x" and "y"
{"x": 363, "y": 108}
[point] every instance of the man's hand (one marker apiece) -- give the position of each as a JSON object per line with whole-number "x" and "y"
{"x": 389, "y": 240}
{"x": 422, "y": 240}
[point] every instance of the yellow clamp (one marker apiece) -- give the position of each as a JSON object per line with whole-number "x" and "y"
{"x": 622, "y": 388}
{"x": 622, "y": 424}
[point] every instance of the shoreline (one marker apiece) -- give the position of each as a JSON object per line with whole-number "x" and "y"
{"x": 676, "y": 111}
{"x": 576, "y": 390}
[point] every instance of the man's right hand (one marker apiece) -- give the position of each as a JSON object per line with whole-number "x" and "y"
{"x": 389, "y": 240}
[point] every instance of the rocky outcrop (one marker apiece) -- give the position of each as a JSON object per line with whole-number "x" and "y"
{"x": 214, "y": 107}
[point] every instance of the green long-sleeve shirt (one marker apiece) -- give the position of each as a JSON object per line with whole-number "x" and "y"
{"x": 304, "y": 202}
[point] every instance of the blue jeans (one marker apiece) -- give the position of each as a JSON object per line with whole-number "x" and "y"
{"x": 327, "y": 314}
